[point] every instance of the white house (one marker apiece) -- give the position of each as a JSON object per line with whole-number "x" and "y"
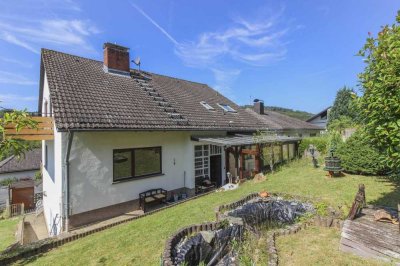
{"x": 119, "y": 132}
{"x": 320, "y": 119}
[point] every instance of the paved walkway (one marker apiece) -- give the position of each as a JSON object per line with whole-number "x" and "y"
{"x": 122, "y": 217}
{"x": 35, "y": 228}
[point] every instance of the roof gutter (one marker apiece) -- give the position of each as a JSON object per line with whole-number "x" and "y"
{"x": 66, "y": 182}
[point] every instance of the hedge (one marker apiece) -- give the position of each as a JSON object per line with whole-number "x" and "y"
{"x": 320, "y": 143}
{"x": 359, "y": 157}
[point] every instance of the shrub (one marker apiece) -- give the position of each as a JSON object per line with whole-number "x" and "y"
{"x": 320, "y": 143}
{"x": 360, "y": 157}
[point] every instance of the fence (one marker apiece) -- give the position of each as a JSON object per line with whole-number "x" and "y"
{"x": 15, "y": 209}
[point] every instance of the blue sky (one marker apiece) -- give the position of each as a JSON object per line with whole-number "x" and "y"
{"x": 293, "y": 54}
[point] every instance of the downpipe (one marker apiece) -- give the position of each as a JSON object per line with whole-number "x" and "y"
{"x": 66, "y": 192}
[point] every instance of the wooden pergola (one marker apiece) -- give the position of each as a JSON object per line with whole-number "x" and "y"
{"x": 43, "y": 131}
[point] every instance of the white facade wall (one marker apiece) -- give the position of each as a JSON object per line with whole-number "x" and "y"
{"x": 318, "y": 121}
{"x": 18, "y": 175}
{"x": 91, "y": 166}
{"x": 52, "y": 176}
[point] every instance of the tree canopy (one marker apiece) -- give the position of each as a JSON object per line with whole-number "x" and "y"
{"x": 20, "y": 120}
{"x": 344, "y": 107}
{"x": 380, "y": 81}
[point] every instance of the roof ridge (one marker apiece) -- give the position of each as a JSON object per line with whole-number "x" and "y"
{"x": 7, "y": 160}
{"x": 131, "y": 69}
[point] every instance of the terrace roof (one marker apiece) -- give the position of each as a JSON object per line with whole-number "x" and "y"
{"x": 236, "y": 140}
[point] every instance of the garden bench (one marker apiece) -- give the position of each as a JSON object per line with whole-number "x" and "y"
{"x": 152, "y": 196}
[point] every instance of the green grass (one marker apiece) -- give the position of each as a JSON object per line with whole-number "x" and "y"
{"x": 141, "y": 242}
{"x": 8, "y": 227}
{"x": 317, "y": 246}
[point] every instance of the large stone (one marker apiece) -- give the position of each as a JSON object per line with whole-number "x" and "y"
{"x": 208, "y": 236}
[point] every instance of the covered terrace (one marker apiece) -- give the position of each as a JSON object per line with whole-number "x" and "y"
{"x": 247, "y": 155}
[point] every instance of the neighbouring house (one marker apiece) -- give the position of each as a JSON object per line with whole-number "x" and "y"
{"x": 119, "y": 132}
{"x": 320, "y": 119}
{"x": 282, "y": 124}
{"x": 22, "y": 169}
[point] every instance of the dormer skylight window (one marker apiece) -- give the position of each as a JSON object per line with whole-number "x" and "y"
{"x": 207, "y": 106}
{"x": 227, "y": 108}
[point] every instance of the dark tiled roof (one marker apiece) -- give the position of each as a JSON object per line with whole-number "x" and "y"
{"x": 31, "y": 161}
{"x": 276, "y": 121}
{"x": 85, "y": 97}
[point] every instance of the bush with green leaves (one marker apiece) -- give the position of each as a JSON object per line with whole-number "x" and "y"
{"x": 380, "y": 103}
{"x": 320, "y": 143}
{"x": 358, "y": 156}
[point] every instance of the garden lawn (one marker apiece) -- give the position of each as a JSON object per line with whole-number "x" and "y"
{"x": 8, "y": 228}
{"x": 141, "y": 242}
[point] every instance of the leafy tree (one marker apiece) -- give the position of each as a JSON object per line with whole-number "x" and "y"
{"x": 20, "y": 120}
{"x": 343, "y": 106}
{"x": 380, "y": 103}
{"x": 341, "y": 123}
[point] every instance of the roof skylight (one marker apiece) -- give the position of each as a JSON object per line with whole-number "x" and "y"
{"x": 207, "y": 106}
{"x": 227, "y": 108}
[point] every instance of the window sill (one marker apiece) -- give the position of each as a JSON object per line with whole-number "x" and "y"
{"x": 137, "y": 178}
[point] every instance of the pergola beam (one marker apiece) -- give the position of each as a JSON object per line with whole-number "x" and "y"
{"x": 44, "y": 130}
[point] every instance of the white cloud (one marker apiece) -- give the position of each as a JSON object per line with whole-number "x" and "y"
{"x": 12, "y": 98}
{"x": 11, "y": 78}
{"x": 224, "y": 79}
{"x": 33, "y": 35}
{"x": 8, "y": 37}
{"x": 40, "y": 26}
{"x": 255, "y": 42}
{"x": 15, "y": 61}
{"x": 163, "y": 31}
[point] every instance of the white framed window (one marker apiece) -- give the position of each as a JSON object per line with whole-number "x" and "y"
{"x": 226, "y": 108}
{"x": 215, "y": 150}
{"x": 201, "y": 160}
{"x": 207, "y": 106}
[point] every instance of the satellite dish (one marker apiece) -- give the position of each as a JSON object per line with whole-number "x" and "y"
{"x": 137, "y": 62}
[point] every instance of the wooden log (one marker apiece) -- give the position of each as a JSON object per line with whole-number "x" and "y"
{"x": 358, "y": 204}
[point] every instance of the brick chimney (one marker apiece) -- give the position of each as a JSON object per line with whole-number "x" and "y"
{"x": 116, "y": 58}
{"x": 258, "y": 106}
